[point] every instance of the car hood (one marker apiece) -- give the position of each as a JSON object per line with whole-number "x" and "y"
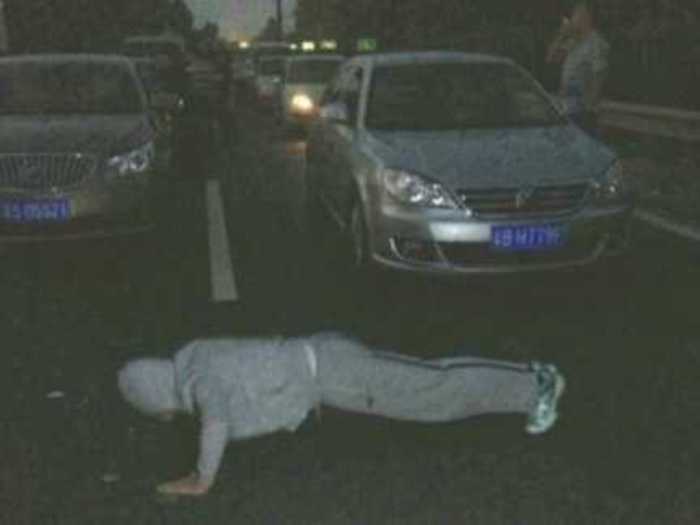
{"x": 313, "y": 91}
{"x": 494, "y": 158}
{"x": 102, "y": 135}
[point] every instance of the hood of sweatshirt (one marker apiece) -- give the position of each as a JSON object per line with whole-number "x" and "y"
{"x": 149, "y": 385}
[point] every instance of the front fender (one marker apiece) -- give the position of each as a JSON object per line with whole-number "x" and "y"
{"x": 366, "y": 187}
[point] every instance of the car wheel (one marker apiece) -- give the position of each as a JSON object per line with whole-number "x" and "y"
{"x": 366, "y": 280}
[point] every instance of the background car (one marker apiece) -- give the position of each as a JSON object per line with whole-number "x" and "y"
{"x": 77, "y": 148}
{"x": 268, "y": 78}
{"x": 207, "y": 86}
{"x": 455, "y": 163}
{"x": 305, "y": 78}
{"x": 242, "y": 70}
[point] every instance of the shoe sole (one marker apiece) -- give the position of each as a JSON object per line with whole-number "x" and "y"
{"x": 559, "y": 389}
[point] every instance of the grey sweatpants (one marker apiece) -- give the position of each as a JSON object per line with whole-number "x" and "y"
{"x": 354, "y": 378}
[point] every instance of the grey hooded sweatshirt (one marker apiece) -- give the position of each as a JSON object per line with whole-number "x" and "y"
{"x": 240, "y": 388}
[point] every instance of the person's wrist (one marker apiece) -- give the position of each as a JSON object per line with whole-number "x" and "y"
{"x": 204, "y": 481}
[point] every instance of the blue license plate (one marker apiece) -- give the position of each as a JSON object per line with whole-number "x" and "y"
{"x": 35, "y": 211}
{"x": 526, "y": 238}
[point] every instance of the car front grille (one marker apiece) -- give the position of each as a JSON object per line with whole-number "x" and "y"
{"x": 524, "y": 202}
{"x": 42, "y": 172}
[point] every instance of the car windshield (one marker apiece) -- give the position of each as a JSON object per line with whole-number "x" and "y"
{"x": 270, "y": 50}
{"x": 448, "y": 96}
{"x": 149, "y": 49}
{"x": 150, "y": 75}
{"x": 271, "y": 66}
{"x": 68, "y": 88}
{"x": 312, "y": 71}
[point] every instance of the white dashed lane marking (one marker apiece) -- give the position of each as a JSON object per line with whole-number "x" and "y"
{"x": 223, "y": 281}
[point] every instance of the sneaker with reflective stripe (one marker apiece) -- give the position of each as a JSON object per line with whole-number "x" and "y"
{"x": 550, "y": 388}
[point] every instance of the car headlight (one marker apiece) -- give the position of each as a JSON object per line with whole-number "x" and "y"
{"x": 613, "y": 186}
{"x": 409, "y": 188}
{"x": 134, "y": 162}
{"x": 302, "y": 103}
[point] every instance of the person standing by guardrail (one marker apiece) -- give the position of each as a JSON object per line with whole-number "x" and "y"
{"x": 583, "y": 53}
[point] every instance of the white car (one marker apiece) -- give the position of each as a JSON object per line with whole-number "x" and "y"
{"x": 305, "y": 79}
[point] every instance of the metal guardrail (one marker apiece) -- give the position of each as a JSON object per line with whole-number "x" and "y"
{"x": 651, "y": 120}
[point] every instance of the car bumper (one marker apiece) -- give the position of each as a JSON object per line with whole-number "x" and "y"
{"x": 119, "y": 209}
{"x": 450, "y": 243}
{"x": 267, "y": 98}
{"x": 300, "y": 120}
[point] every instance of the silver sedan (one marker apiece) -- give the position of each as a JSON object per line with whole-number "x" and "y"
{"x": 460, "y": 163}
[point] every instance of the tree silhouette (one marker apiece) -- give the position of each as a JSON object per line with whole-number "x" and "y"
{"x": 89, "y": 25}
{"x": 269, "y": 31}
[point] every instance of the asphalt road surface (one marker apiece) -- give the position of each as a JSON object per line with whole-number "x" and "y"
{"x": 232, "y": 254}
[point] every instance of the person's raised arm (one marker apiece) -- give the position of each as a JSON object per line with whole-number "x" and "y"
{"x": 593, "y": 91}
{"x": 558, "y": 49}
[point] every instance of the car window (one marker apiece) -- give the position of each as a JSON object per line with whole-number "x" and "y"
{"x": 350, "y": 90}
{"x": 332, "y": 92}
{"x": 68, "y": 88}
{"x": 271, "y": 67}
{"x": 150, "y": 76}
{"x": 151, "y": 49}
{"x": 458, "y": 95}
{"x": 312, "y": 71}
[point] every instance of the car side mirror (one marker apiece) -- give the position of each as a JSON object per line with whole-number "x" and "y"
{"x": 558, "y": 103}
{"x": 335, "y": 112}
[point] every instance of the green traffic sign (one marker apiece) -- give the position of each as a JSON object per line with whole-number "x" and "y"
{"x": 367, "y": 45}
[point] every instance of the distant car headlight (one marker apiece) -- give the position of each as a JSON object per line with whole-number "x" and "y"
{"x": 613, "y": 187}
{"x": 134, "y": 162}
{"x": 302, "y": 103}
{"x": 412, "y": 189}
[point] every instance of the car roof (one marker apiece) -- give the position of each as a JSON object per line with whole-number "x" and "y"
{"x": 140, "y": 39}
{"x": 315, "y": 58}
{"x": 429, "y": 56}
{"x": 268, "y": 45}
{"x": 143, "y": 60}
{"x": 65, "y": 58}
{"x": 270, "y": 58}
